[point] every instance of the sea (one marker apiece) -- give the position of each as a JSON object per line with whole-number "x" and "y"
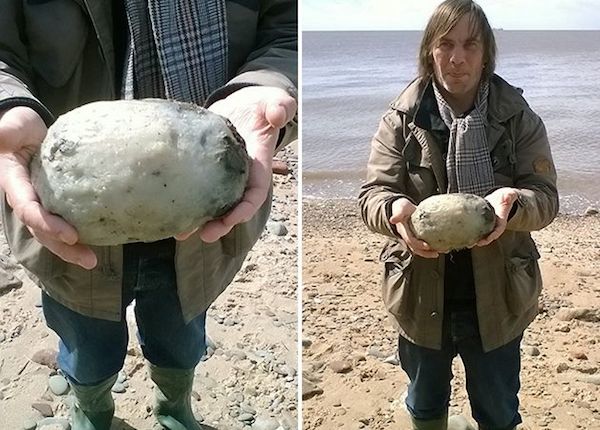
{"x": 349, "y": 78}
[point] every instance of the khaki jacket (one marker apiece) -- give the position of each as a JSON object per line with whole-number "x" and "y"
{"x": 406, "y": 160}
{"x": 56, "y": 55}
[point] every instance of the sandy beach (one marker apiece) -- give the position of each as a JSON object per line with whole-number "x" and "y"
{"x": 351, "y": 379}
{"x": 249, "y": 379}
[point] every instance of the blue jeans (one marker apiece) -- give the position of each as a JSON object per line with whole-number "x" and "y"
{"x": 92, "y": 349}
{"x": 492, "y": 377}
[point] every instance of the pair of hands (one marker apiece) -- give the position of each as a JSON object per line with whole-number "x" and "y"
{"x": 501, "y": 199}
{"x": 258, "y": 113}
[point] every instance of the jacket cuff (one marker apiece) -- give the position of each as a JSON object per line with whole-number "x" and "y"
{"x": 40, "y": 109}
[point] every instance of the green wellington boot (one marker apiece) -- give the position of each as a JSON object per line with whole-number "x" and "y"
{"x": 94, "y": 407}
{"x": 173, "y": 398}
{"x": 439, "y": 424}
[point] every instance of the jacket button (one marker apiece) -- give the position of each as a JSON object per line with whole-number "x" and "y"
{"x": 434, "y": 314}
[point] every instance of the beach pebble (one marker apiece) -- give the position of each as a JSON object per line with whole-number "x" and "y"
{"x": 591, "y": 379}
{"x": 458, "y": 422}
{"x": 392, "y": 359}
{"x": 530, "y": 350}
{"x": 265, "y": 423}
{"x": 583, "y": 314}
{"x": 309, "y": 389}
{"x": 46, "y": 357}
{"x": 121, "y": 377}
{"x": 43, "y": 408}
{"x": 245, "y": 417}
{"x": 340, "y": 366}
{"x": 2, "y": 337}
{"x": 119, "y": 387}
{"x": 54, "y": 423}
{"x": 562, "y": 367}
{"x": 277, "y": 228}
{"x": 58, "y": 385}
{"x": 29, "y": 424}
{"x": 578, "y": 355}
{"x": 591, "y": 211}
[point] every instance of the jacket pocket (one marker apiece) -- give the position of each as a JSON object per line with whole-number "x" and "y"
{"x": 524, "y": 283}
{"x": 396, "y": 290}
{"x": 56, "y": 34}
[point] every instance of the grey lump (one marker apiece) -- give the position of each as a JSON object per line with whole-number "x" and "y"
{"x": 139, "y": 170}
{"x": 452, "y": 221}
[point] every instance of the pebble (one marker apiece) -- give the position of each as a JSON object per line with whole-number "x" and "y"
{"x": 247, "y": 408}
{"x": 29, "y": 425}
{"x": 277, "y": 228}
{"x": 306, "y": 343}
{"x": 43, "y": 408}
{"x": 530, "y": 350}
{"x": 63, "y": 423}
{"x": 309, "y": 389}
{"x": 458, "y": 422}
{"x": 579, "y": 355}
{"x": 375, "y": 352}
{"x": 245, "y": 417}
{"x": 121, "y": 377}
{"x": 340, "y": 366}
{"x": 265, "y": 423}
{"x": 591, "y": 211}
{"x": 583, "y": 314}
{"x": 562, "y": 367}
{"x": 119, "y": 387}
{"x": 46, "y": 357}
{"x": 392, "y": 359}
{"x": 592, "y": 379}
{"x": 2, "y": 337}
{"x": 58, "y": 385}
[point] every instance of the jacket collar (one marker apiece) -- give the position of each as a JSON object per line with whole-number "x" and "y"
{"x": 417, "y": 101}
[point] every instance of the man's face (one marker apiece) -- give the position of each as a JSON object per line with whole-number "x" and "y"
{"x": 458, "y": 61}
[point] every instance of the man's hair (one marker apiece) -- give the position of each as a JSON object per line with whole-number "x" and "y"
{"x": 444, "y": 19}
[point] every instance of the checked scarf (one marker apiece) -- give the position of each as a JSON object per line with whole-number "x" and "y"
{"x": 177, "y": 49}
{"x": 468, "y": 163}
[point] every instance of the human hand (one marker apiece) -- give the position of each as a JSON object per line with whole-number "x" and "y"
{"x": 21, "y": 133}
{"x": 502, "y": 201}
{"x": 258, "y": 113}
{"x": 402, "y": 209}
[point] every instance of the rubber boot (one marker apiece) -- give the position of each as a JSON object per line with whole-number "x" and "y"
{"x": 94, "y": 407}
{"x": 173, "y": 398}
{"x": 439, "y": 424}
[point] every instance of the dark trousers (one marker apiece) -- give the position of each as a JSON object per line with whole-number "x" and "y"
{"x": 492, "y": 377}
{"x": 92, "y": 349}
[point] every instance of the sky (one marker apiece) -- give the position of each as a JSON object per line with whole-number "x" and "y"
{"x": 413, "y": 14}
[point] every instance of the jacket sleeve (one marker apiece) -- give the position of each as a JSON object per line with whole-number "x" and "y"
{"x": 386, "y": 176}
{"x": 274, "y": 59}
{"x": 535, "y": 176}
{"x": 15, "y": 71}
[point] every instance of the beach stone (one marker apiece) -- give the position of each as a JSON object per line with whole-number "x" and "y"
{"x": 562, "y": 367}
{"x": 452, "y": 221}
{"x": 245, "y": 417}
{"x": 265, "y": 423}
{"x": 119, "y": 387}
{"x": 2, "y": 337}
{"x": 55, "y": 423}
{"x": 43, "y": 408}
{"x": 458, "y": 422}
{"x": 530, "y": 350}
{"x": 8, "y": 282}
{"x": 591, "y": 379}
{"x": 277, "y": 228}
{"x": 578, "y": 355}
{"x": 139, "y": 170}
{"x": 309, "y": 389}
{"x": 583, "y": 314}
{"x": 392, "y": 359}
{"x": 45, "y": 357}
{"x": 340, "y": 366}
{"x": 591, "y": 211}
{"x": 29, "y": 424}
{"x": 58, "y": 385}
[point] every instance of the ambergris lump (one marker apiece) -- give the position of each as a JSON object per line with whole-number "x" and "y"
{"x": 452, "y": 221}
{"x": 139, "y": 170}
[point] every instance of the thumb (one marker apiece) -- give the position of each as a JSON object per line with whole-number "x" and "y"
{"x": 280, "y": 111}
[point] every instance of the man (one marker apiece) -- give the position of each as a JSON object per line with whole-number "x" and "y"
{"x": 239, "y": 58}
{"x": 460, "y": 128}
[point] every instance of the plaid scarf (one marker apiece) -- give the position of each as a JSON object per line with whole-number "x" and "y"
{"x": 468, "y": 162}
{"x": 177, "y": 49}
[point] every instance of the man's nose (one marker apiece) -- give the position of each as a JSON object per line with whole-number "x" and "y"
{"x": 458, "y": 55}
